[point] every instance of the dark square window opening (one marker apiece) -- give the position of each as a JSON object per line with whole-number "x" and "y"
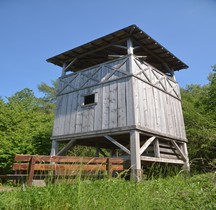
{"x": 89, "y": 99}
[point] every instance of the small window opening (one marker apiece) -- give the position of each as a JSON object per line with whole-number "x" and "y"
{"x": 89, "y": 99}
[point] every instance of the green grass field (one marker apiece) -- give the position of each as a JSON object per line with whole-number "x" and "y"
{"x": 179, "y": 192}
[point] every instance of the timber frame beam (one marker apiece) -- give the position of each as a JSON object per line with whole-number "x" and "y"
{"x": 118, "y": 144}
{"x": 179, "y": 150}
{"x": 66, "y": 147}
{"x": 129, "y": 49}
{"x": 158, "y": 150}
{"x": 66, "y": 68}
{"x": 146, "y": 144}
{"x": 157, "y": 57}
{"x": 153, "y": 149}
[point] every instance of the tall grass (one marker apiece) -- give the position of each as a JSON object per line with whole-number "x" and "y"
{"x": 179, "y": 192}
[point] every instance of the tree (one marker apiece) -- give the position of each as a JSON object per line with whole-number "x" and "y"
{"x": 200, "y": 118}
{"x": 25, "y": 127}
{"x": 49, "y": 99}
{"x": 209, "y": 99}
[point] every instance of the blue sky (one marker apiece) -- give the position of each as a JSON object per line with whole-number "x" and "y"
{"x": 32, "y": 31}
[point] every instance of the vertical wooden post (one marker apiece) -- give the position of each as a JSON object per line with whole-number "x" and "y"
{"x": 131, "y": 92}
{"x": 31, "y": 170}
{"x": 54, "y": 149}
{"x": 173, "y": 74}
{"x": 136, "y": 171}
{"x": 109, "y": 168}
{"x": 185, "y": 151}
{"x": 97, "y": 152}
{"x": 129, "y": 47}
{"x": 63, "y": 69}
{"x": 156, "y": 148}
{"x": 130, "y": 53}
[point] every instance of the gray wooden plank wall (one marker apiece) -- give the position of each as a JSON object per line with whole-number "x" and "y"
{"x": 155, "y": 110}
{"x": 149, "y": 99}
{"x": 157, "y": 101}
{"x": 110, "y": 110}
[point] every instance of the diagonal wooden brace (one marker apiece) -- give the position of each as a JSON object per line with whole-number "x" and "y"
{"x": 117, "y": 144}
{"x": 179, "y": 150}
{"x": 67, "y": 67}
{"x": 146, "y": 144}
{"x": 66, "y": 147}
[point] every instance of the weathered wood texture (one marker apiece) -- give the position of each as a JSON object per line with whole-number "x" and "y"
{"x": 112, "y": 108}
{"x": 163, "y": 151}
{"x": 157, "y": 101}
{"x": 128, "y": 92}
{"x": 38, "y": 166}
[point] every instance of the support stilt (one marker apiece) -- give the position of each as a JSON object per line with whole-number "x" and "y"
{"x": 136, "y": 171}
{"x": 187, "y": 164}
{"x": 97, "y": 152}
{"x": 54, "y": 149}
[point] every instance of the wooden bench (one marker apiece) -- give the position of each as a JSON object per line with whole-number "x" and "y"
{"x": 29, "y": 167}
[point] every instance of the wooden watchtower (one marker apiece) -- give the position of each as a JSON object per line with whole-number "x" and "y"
{"x": 119, "y": 92}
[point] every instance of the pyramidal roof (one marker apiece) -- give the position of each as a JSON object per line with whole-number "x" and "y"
{"x": 98, "y": 51}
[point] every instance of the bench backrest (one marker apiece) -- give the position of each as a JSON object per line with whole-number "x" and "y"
{"x": 21, "y": 162}
{"x": 63, "y": 165}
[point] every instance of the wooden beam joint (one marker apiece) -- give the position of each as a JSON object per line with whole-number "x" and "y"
{"x": 117, "y": 144}
{"x": 146, "y": 144}
{"x": 66, "y": 147}
{"x": 179, "y": 150}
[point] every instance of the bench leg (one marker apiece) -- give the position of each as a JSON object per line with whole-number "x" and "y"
{"x": 31, "y": 171}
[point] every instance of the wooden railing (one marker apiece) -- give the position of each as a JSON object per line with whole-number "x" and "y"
{"x": 36, "y": 166}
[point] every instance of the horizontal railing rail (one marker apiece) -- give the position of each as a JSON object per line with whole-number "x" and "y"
{"x": 28, "y": 166}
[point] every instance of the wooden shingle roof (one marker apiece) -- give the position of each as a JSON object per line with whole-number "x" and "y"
{"x": 98, "y": 51}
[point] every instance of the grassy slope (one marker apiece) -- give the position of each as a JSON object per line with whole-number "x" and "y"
{"x": 198, "y": 192}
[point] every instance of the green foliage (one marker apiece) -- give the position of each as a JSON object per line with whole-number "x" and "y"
{"x": 161, "y": 170}
{"x": 26, "y": 122}
{"x": 82, "y": 151}
{"x": 49, "y": 91}
{"x": 24, "y": 128}
{"x": 209, "y": 99}
{"x": 49, "y": 99}
{"x": 199, "y": 108}
{"x": 198, "y": 192}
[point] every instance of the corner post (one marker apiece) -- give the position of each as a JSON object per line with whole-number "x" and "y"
{"x": 173, "y": 74}
{"x": 63, "y": 69}
{"x": 186, "y": 164}
{"x": 129, "y": 47}
{"x": 130, "y": 53}
{"x": 136, "y": 171}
